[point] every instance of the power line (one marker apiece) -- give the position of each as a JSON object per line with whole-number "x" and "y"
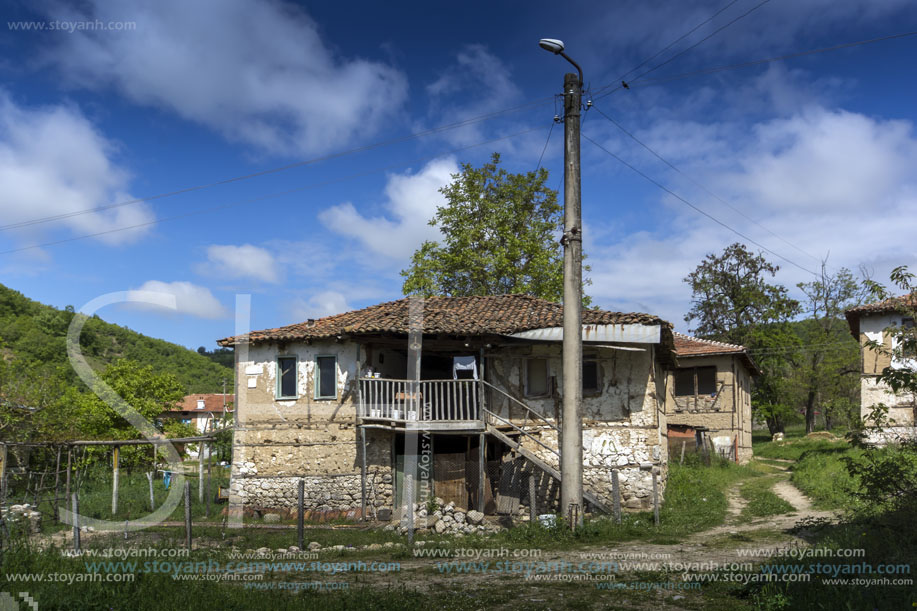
{"x": 701, "y": 211}
{"x": 757, "y": 62}
{"x": 261, "y": 197}
{"x": 702, "y": 40}
{"x": 359, "y": 149}
{"x": 666, "y": 48}
{"x": 546, "y": 142}
{"x": 699, "y": 185}
{"x": 695, "y": 45}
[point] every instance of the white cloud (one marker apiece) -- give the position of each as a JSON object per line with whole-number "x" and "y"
{"x": 457, "y": 93}
{"x": 321, "y": 304}
{"x": 412, "y": 200}
{"x": 53, "y": 162}
{"x": 245, "y": 261}
{"x": 257, "y": 72}
{"x": 824, "y": 181}
{"x": 189, "y": 298}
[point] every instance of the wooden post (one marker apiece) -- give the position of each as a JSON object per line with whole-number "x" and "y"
{"x": 655, "y": 497}
{"x": 301, "y": 485}
{"x": 3, "y": 459}
{"x": 200, "y": 472}
{"x": 481, "y": 475}
{"x": 67, "y": 484}
{"x": 187, "y": 515}
{"x": 209, "y": 473}
{"x": 76, "y": 523}
{"x": 533, "y": 504}
{"x": 149, "y": 478}
{"x": 616, "y": 495}
{"x": 362, "y": 478}
{"x": 57, "y": 486}
{"x": 681, "y": 461}
{"x": 114, "y": 484}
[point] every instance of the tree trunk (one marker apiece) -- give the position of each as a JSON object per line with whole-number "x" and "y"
{"x": 810, "y": 412}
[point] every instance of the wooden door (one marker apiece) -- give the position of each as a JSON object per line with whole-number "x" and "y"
{"x": 449, "y": 478}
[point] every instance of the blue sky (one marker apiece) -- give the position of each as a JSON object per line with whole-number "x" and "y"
{"x": 811, "y": 157}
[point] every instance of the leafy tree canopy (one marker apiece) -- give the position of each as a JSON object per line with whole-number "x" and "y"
{"x": 499, "y": 235}
{"x": 731, "y": 296}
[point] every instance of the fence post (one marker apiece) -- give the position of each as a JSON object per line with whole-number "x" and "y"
{"x": 681, "y": 460}
{"x": 362, "y": 477}
{"x": 3, "y": 457}
{"x": 67, "y": 484}
{"x": 616, "y": 496}
{"x": 76, "y": 523}
{"x": 481, "y": 474}
{"x": 209, "y": 472}
{"x": 57, "y": 486}
{"x": 149, "y": 478}
{"x": 533, "y": 509}
{"x": 200, "y": 472}
{"x": 655, "y": 496}
{"x": 301, "y": 485}
{"x": 115, "y": 475}
{"x": 188, "y": 515}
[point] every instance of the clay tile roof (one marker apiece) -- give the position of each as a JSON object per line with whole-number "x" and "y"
{"x": 686, "y": 346}
{"x": 213, "y": 402}
{"x": 462, "y": 316}
{"x": 886, "y": 306}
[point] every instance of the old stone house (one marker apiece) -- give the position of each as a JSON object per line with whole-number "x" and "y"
{"x": 709, "y": 395}
{"x": 869, "y": 323}
{"x": 336, "y": 401}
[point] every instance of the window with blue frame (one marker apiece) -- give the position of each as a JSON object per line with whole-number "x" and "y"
{"x": 286, "y": 377}
{"x": 326, "y": 377}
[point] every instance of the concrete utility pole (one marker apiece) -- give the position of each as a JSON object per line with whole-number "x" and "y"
{"x": 571, "y": 451}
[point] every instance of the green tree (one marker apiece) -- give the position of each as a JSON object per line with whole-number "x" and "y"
{"x": 830, "y": 371}
{"x": 499, "y": 235}
{"x": 732, "y": 301}
{"x": 730, "y": 296}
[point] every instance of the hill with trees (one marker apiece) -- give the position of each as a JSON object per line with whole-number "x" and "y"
{"x": 33, "y": 335}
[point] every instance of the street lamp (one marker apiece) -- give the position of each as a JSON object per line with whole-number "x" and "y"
{"x": 571, "y": 448}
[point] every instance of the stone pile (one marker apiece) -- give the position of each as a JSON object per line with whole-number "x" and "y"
{"x": 447, "y": 519}
{"x": 21, "y": 513}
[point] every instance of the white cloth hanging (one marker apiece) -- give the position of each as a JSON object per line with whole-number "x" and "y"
{"x": 464, "y": 363}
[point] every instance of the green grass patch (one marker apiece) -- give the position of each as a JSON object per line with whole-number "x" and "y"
{"x": 762, "y": 500}
{"x": 793, "y": 449}
{"x": 823, "y": 476}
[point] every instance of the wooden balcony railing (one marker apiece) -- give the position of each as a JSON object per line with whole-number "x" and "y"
{"x": 423, "y": 401}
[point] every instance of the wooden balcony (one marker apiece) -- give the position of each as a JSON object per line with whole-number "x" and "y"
{"x": 429, "y": 405}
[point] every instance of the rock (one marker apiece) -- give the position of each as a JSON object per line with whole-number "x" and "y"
{"x": 293, "y": 549}
{"x": 314, "y": 546}
{"x": 281, "y": 550}
{"x": 459, "y": 517}
{"x": 384, "y": 515}
{"x": 439, "y": 527}
{"x": 439, "y": 502}
{"x": 419, "y": 543}
{"x": 388, "y": 544}
{"x": 271, "y": 518}
{"x": 474, "y": 517}
{"x": 374, "y": 546}
{"x": 337, "y": 548}
{"x": 263, "y": 551}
